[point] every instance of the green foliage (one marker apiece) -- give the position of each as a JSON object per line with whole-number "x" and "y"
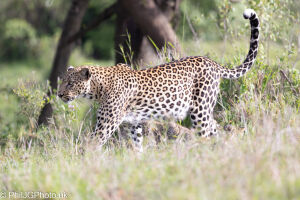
{"x": 29, "y": 30}
{"x": 200, "y": 15}
{"x": 279, "y": 19}
{"x": 19, "y": 39}
{"x": 31, "y": 97}
{"x": 45, "y": 16}
{"x": 99, "y": 42}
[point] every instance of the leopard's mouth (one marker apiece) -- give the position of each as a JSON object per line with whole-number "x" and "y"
{"x": 67, "y": 99}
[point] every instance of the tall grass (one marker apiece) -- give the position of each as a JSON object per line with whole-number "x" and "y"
{"x": 262, "y": 164}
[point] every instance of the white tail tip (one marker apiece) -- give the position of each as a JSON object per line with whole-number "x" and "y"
{"x": 248, "y": 13}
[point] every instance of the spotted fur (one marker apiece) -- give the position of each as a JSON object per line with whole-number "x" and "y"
{"x": 188, "y": 86}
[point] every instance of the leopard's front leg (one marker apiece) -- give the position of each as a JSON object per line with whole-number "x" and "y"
{"x": 107, "y": 123}
{"x": 113, "y": 105}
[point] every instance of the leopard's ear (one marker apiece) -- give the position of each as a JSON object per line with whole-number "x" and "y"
{"x": 85, "y": 73}
{"x": 70, "y": 68}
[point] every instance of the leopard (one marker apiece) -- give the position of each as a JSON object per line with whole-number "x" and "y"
{"x": 187, "y": 87}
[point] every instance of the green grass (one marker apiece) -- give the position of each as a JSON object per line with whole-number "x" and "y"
{"x": 258, "y": 159}
{"x": 262, "y": 165}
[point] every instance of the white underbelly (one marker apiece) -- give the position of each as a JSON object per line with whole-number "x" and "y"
{"x": 138, "y": 116}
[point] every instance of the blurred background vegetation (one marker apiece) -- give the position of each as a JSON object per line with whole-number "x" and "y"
{"x": 262, "y": 104}
{"x": 31, "y": 29}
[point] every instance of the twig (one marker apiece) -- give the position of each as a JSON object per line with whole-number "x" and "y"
{"x": 290, "y": 82}
{"x": 191, "y": 27}
{"x": 107, "y": 13}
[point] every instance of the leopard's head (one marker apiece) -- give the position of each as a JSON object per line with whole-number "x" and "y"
{"x": 75, "y": 82}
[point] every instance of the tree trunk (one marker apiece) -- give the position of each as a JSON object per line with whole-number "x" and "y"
{"x": 170, "y": 8}
{"x": 128, "y": 36}
{"x": 149, "y": 19}
{"x": 72, "y": 25}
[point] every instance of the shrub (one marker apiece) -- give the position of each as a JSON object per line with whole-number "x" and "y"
{"x": 19, "y": 39}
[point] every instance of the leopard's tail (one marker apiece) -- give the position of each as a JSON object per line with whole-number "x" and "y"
{"x": 248, "y": 62}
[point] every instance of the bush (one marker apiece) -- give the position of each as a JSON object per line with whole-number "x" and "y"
{"x": 19, "y": 39}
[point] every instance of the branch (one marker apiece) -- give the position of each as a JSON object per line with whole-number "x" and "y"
{"x": 107, "y": 13}
{"x": 290, "y": 82}
{"x": 191, "y": 27}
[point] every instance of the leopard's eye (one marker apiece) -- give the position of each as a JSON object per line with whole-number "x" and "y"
{"x": 69, "y": 84}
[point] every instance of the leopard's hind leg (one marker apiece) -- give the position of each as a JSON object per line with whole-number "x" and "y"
{"x": 201, "y": 113}
{"x": 136, "y": 135}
